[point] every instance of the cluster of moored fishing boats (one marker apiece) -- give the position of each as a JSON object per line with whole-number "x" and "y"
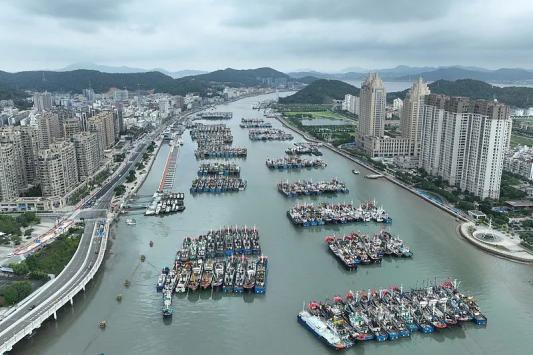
{"x": 217, "y": 151}
{"x": 294, "y": 163}
{"x": 305, "y": 187}
{"x": 214, "y": 141}
{"x": 164, "y": 203}
{"x": 254, "y": 123}
{"x": 308, "y": 214}
{"x": 227, "y": 259}
{"x": 359, "y": 249}
{"x": 217, "y": 184}
{"x": 389, "y": 314}
{"x": 211, "y": 115}
{"x": 269, "y": 134}
{"x": 304, "y": 148}
{"x": 219, "y": 169}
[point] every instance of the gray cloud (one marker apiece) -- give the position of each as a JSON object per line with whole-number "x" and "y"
{"x": 380, "y": 11}
{"x": 80, "y": 10}
{"x": 210, "y": 34}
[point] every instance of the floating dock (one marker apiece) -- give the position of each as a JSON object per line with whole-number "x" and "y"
{"x": 359, "y": 249}
{"x": 389, "y": 314}
{"x": 169, "y": 173}
{"x": 308, "y": 214}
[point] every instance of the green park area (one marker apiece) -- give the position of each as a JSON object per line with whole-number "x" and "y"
{"x": 13, "y": 227}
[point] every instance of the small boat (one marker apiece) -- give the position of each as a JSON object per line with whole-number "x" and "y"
{"x": 151, "y": 243}
{"x": 102, "y": 324}
{"x": 356, "y": 172}
{"x": 127, "y": 283}
{"x": 374, "y": 176}
{"x": 143, "y": 258}
{"x": 131, "y": 222}
{"x": 119, "y": 298}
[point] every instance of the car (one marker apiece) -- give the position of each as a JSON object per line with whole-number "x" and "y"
{"x": 32, "y": 307}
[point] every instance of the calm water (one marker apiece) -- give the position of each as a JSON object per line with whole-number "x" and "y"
{"x": 300, "y": 269}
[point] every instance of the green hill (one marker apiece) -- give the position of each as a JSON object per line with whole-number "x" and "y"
{"x": 77, "y": 80}
{"x": 321, "y": 91}
{"x": 512, "y": 95}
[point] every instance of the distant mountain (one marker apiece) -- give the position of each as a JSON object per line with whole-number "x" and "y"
{"x": 511, "y": 95}
{"x": 128, "y": 70}
{"x": 321, "y": 91}
{"x": 77, "y": 80}
{"x": 456, "y": 73}
{"x": 334, "y": 76}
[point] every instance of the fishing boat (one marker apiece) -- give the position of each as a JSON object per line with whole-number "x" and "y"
{"x": 240, "y": 275}
{"x": 320, "y": 329}
{"x": 261, "y": 275}
{"x": 249, "y": 280}
{"x": 196, "y": 275}
{"x": 218, "y": 276}
{"x": 229, "y": 276}
{"x": 207, "y": 275}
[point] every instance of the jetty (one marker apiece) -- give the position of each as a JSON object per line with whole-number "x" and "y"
{"x": 309, "y": 214}
{"x": 305, "y": 187}
{"x": 389, "y": 314}
{"x": 217, "y": 184}
{"x": 360, "y": 249}
{"x": 169, "y": 173}
{"x": 294, "y": 163}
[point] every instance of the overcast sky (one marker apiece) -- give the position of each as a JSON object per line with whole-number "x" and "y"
{"x": 327, "y": 35}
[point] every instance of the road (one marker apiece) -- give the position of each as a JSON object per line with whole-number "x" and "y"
{"x": 87, "y": 249}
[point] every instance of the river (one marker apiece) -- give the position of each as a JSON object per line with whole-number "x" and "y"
{"x": 300, "y": 269}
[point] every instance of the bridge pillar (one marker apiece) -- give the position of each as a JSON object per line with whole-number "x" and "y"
{"x": 72, "y": 301}
{"x": 55, "y": 315}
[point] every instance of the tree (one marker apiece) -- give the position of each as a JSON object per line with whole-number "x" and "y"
{"x": 17, "y": 291}
{"x": 20, "y": 268}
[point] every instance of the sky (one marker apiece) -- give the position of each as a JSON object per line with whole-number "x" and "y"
{"x": 324, "y": 35}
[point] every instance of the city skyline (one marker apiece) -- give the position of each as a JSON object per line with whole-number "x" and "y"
{"x": 324, "y": 36}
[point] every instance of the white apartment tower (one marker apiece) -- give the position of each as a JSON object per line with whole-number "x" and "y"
{"x": 57, "y": 169}
{"x": 87, "y": 153}
{"x": 49, "y": 128}
{"x": 372, "y": 107}
{"x": 464, "y": 142}
{"x": 411, "y": 114}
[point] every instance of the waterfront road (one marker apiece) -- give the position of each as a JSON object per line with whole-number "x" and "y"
{"x": 31, "y": 311}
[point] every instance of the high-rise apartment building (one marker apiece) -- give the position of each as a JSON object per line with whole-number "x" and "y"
{"x": 30, "y": 149}
{"x": 71, "y": 126}
{"x": 351, "y": 104}
{"x": 11, "y": 136}
{"x": 57, "y": 169}
{"x": 49, "y": 128}
{"x": 411, "y": 114}
{"x": 464, "y": 142}
{"x": 87, "y": 153}
{"x": 372, "y": 107}
{"x": 104, "y": 127}
{"x": 42, "y": 101}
